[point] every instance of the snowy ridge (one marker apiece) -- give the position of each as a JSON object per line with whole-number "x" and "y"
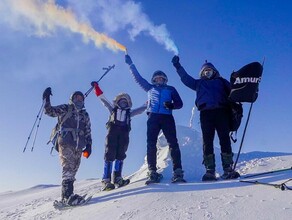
{"x": 192, "y": 200}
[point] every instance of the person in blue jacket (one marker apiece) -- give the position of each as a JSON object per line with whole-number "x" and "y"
{"x": 212, "y": 102}
{"x": 162, "y": 99}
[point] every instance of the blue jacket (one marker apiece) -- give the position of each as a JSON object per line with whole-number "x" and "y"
{"x": 211, "y": 93}
{"x": 157, "y": 95}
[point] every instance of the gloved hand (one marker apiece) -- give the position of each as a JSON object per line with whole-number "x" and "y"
{"x": 87, "y": 151}
{"x": 128, "y": 60}
{"x": 168, "y": 105}
{"x": 47, "y": 93}
{"x": 175, "y": 62}
{"x": 97, "y": 89}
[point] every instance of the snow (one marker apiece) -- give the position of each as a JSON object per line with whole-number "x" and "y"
{"x": 195, "y": 199}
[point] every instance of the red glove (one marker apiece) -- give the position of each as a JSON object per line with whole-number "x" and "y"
{"x": 97, "y": 89}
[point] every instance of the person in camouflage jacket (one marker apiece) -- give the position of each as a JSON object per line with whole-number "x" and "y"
{"x": 73, "y": 139}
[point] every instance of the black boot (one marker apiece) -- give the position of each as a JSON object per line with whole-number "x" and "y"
{"x": 117, "y": 174}
{"x": 209, "y": 162}
{"x": 178, "y": 176}
{"x": 227, "y": 163}
{"x": 153, "y": 177}
{"x": 106, "y": 179}
{"x": 67, "y": 189}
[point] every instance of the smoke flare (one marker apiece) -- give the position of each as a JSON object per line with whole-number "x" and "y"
{"x": 46, "y": 16}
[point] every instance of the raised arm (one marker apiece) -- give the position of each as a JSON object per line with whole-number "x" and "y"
{"x": 138, "y": 78}
{"x": 99, "y": 93}
{"x": 184, "y": 76}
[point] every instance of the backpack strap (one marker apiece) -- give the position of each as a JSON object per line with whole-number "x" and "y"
{"x": 59, "y": 125}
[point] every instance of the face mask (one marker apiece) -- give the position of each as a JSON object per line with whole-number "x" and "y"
{"x": 208, "y": 73}
{"x": 123, "y": 104}
{"x": 79, "y": 104}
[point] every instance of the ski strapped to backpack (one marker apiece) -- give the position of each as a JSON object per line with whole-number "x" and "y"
{"x": 56, "y": 130}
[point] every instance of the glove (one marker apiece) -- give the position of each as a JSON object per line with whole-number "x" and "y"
{"x": 87, "y": 151}
{"x": 128, "y": 60}
{"x": 97, "y": 89}
{"x": 47, "y": 93}
{"x": 168, "y": 105}
{"x": 175, "y": 62}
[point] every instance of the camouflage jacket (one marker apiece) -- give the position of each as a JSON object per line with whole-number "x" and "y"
{"x": 76, "y": 129}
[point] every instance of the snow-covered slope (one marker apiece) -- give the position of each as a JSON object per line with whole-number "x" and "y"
{"x": 192, "y": 200}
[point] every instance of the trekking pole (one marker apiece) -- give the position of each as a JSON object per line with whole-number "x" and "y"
{"x": 37, "y": 129}
{"x": 281, "y": 186}
{"x": 264, "y": 173}
{"x": 107, "y": 70}
{"x": 38, "y": 115}
{"x": 242, "y": 139}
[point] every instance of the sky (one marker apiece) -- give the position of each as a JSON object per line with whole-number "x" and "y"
{"x": 61, "y": 46}
{"x": 222, "y": 199}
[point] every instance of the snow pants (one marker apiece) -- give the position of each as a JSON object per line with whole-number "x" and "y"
{"x": 70, "y": 161}
{"x": 116, "y": 143}
{"x": 166, "y": 123}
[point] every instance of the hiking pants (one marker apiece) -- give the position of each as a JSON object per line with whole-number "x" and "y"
{"x": 70, "y": 161}
{"x": 215, "y": 120}
{"x": 166, "y": 123}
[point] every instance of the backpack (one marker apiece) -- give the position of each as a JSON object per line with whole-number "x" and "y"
{"x": 56, "y": 130}
{"x": 236, "y": 114}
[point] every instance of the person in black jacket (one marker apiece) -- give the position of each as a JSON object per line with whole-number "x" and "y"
{"x": 212, "y": 102}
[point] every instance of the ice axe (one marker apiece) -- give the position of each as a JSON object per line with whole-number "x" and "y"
{"x": 107, "y": 69}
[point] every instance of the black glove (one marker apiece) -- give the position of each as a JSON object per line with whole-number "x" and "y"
{"x": 175, "y": 62}
{"x": 87, "y": 151}
{"x": 47, "y": 93}
{"x": 168, "y": 105}
{"x": 128, "y": 60}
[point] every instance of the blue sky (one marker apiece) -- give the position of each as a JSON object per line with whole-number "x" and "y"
{"x": 227, "y": 33}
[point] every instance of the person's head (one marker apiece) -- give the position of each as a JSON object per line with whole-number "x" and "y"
{"x": 77, "y": 99}
{"x": 159, "y": 78}
{"x": 208, "y": 71}
{"x": 123, "y": 101}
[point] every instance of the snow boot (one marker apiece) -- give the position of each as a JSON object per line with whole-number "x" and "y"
{"x": 209, "y": 175}
{"x": 229, "y": 173}
{"x": 107, "y": 185}
{"x": 67, "y": 190}
{"x": 117, "y": 174}
{"x": 227, "y": 163}
{"x": 119, "y": 182}
{"x": 178, "y": 176}
{"x": 75, "y": 200}
{"x": 153, "y": 177}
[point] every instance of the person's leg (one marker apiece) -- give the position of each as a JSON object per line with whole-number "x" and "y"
{"x": 153, "y": 129}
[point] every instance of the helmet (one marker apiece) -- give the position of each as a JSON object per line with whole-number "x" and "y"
{"x": 157, "y": 74}
{"x": 119, "y": 99}
{"x": 208, "y": 74}
{"x": 79, "y": 104}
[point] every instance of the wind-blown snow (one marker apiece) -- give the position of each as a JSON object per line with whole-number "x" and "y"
{"x": 192, "y": 200}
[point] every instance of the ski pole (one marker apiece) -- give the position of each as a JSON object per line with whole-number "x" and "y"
{"x": 37, "y": 129}
{"x": 243, "y": 136}
{"x": 274, "y": 171}
{"x": 38, "y": 115}
{"x": 107, "y": 70}
{"x": 281, "y": 186}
